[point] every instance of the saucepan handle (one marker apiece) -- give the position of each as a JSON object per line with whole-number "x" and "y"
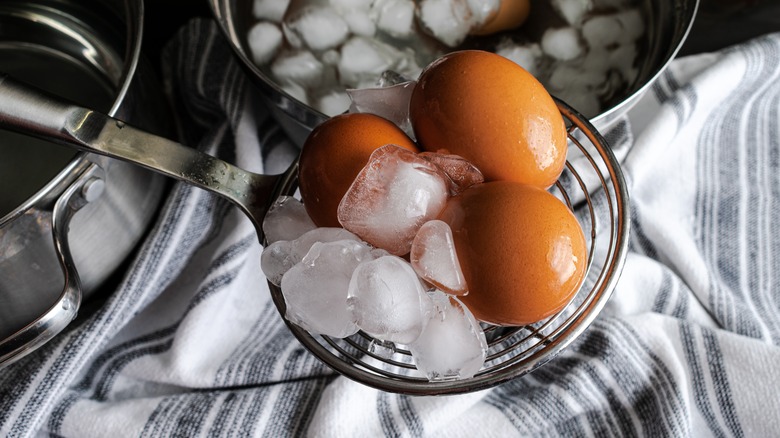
{"x": 30, "y": 111}
{"x": 85, "y": 189}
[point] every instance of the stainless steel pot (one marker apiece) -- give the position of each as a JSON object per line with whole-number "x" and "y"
{"x": 68, "y": 221}
{"x": 668, "y": 24}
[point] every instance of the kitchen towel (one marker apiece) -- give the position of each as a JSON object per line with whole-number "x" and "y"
{"x": 190, "y": 344}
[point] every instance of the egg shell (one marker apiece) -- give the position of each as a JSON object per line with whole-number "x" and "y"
{"x": 522, "y": 251}
{"x": 334, "y": 153}
{"x": 491, "y": 111}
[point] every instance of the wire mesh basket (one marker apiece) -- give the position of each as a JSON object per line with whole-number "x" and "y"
{"x": 592, "y": 186}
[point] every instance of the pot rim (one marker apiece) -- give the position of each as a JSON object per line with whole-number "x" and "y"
{"x": 224, "y": 12}
{"x": 133, "y": 16}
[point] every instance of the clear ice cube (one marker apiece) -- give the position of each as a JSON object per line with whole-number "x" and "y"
{"x": 572, "y": 10}
{"x": 391, "y": 102}
{"x": 395, "y": 17}
{"x": 446, "y": 20}
{"x": 390, "y": 199}
{"x": 360, "y": 23}
{"x": 452, "y": 345}
{"x": 602, "y": 31}
{"x": 298, "y": 67}
{"x": 562, "y": 44}
{"x": 272, "y": 10}
{"x": 276, "y": 259}
{"x": 633, "y": 24}
{"x": 264, "y": 39}
{"x": 388, "y": 301}
{"x": 527, "y": 55}
{"x": 460, "y": 172}
{"x": 333, "y": 103}
{"x": 434, "y": 259}
{"x": 482, "y": 10}
{"x": 364, "y": 59}
{"x": 282, "y": 255}
{"x": 351, "y": 5}
{"x": 315, "y": 290}
{"x": 286, "y": 220}
{"x": 317, "y": 27}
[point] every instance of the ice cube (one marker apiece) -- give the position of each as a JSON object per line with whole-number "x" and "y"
{"x": 392, "y": 196}
{"x": 363, "y": 60}
{"x": 388, "y": 78}
{"x": 298, "y": 67}
{"x": 277, "y": 259}
{"x": 303, "y": 244}
{"x": 390, "y": 102}
{"x": 351, "y": 5}
{"x": 286, "y": 220}
{"x": 633, "y": 25}
{"x": 264, "y": 39}
{"x": 388, "y": 301}
{"x": 602, "y": 31}
{"x": 461, "y": 174}
{"x": 330, "y": 57}
{"x": 296, "y": 92}
{"x": 572, "y": 10}
{"x": 481, "y": 10}
{"x": 315, "y": 290}
{"x": 452, "y": 346}
{"x": 383, "y": 349}
{"x": 527, "y": 55}
{"x": 360, "y": 22}
{"x": 280, "y": 256}
{"x": 562, "y": 43}
{"x": 434, "y": 259}
{"x": 396, "y": 17}
{"x": 567, "y": 76}
{"x": 333, "y": 103}
{"x": 623, "y": 59}
{"x": 318, "y": 27}
{"x": 272, "y": 10}
{"x": 446, "y": 20}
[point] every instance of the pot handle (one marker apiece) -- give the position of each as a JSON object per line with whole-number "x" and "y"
{"x": 87, "y": 188}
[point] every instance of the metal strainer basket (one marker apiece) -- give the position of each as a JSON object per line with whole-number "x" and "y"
{"x": 592, "y": 185}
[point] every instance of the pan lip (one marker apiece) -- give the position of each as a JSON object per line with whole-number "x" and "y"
{"x": 133, "y": 17}
{"x": 224, "y": 11}
{"x": 688, "y": 19}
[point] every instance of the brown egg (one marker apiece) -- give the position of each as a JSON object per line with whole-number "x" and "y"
{"x": 333, "y": 155}
{"x": 522, "y": 251}
{"x": 491, "y": 111}
{"x": 511, "y": 14}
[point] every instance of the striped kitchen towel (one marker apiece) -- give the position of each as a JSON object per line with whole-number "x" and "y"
{"x": 190, "y": 344}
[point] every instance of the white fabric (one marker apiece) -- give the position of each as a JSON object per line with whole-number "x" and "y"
{"x": 190, "y": 344}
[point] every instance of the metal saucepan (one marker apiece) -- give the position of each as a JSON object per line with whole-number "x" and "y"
{"x": 60, "y": 209}
{"x": 668, "y": 23}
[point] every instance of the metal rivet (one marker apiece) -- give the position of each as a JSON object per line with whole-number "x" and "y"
{"x": 93, "y": 189}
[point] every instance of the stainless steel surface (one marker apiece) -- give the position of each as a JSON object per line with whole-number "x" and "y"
{"x": 592, "y": 176}
{"x": 89, "y": 51}
{"x": 28, "y": 111}
{"x": 66, "y": 307}
{"x": 668, "y": 25}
